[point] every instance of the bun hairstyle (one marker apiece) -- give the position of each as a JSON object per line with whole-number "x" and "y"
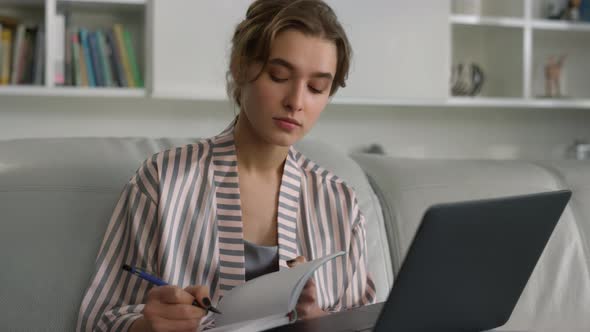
{"x": 265, "y": 19}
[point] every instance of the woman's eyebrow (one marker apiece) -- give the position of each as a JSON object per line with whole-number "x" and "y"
{"x": 288, "y": 65}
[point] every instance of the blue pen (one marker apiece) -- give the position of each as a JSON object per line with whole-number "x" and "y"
{"x": 158, "y": 282}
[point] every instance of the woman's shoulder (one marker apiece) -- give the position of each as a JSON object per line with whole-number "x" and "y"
{"x": 190, "y": 153}
{"x": 193, "y": 147}
{"x": 322, "y": 176}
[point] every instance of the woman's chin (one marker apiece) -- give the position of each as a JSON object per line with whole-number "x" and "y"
{"x": 283, "y": 139}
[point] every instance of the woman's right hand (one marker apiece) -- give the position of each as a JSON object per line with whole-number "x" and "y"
{"x": 169, "y": 308}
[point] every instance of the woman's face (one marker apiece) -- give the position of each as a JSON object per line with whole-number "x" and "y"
{"x": 284, "y": 103}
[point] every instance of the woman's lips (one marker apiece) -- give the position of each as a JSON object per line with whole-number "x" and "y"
{"x": 285, "y": 124}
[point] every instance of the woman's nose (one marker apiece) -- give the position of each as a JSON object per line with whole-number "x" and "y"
{"x": 294, "y": 98}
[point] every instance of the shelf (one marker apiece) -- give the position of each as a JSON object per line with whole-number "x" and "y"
{"x": 104, "y": 2}
{"x": 71, "y": 91}
{"x": 508, "y": 22}
{"x": 102, "y": 6}
{"x": 471, "y": 102}
{"x": 454, "y": 102}
{"x": 22, "y": 2}
{"x": 560, "y": 25}
{"x": 389, "y": 102}
{"x": 518, "y": 103}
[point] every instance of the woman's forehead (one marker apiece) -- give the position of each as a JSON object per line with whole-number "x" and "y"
{"x": 305, "y": 53}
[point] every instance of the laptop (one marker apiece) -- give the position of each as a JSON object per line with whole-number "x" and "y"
{"x": 465, "y": 269}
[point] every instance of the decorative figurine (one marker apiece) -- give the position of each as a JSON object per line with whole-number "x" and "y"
{"x": 572, "y": 12}
{"x": 553, "y": 75}
{"x": 466, "y": 79}
{"x": 556, "y": 10}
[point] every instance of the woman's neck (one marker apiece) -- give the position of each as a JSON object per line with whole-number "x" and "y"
{"x": 255, "y": 155}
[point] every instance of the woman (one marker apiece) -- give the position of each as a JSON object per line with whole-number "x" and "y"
{"x": 209, "y": 216}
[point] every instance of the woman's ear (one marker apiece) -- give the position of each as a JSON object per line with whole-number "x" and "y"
{"x": 233, "y": 68}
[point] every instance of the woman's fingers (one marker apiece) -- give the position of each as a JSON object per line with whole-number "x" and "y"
{"x": 309, "y": 292}
{"x": 169, "y": 308}
{"x": 201, "y": 294}
{"x": 307, "y": 306}
{"x": 164, "y": 325}
{"x": 173, "y": 295}
{"x": 296, "y": 261}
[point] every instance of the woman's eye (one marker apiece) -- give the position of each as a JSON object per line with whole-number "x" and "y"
{"x": 314, "y": 90}
{"x": 277, "y": 79}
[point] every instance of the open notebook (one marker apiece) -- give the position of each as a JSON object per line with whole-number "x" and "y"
{"x": 267, "y": 301}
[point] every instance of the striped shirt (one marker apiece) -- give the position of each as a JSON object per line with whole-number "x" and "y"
{"x": 179, "y": 216}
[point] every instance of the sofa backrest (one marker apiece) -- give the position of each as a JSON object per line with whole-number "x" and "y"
{"x": 558, "y": 292}
{"x": 56, "y": 197}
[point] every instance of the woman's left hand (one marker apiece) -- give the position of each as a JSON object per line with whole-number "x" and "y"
{"x": 307, "y": 306}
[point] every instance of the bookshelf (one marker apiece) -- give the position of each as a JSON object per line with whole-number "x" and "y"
{"x": 118, "y": 74}
{"x": 511, "y": 40}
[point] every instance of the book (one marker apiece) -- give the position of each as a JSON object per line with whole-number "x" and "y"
{"x": 132, "y": 59}
{"x": 9, "y": 25}
{"x": 59, "y": 49}
{"x": 17, "y": 51}
{"x": 76, "y": 58}
{"x": 119, "y": 73}
{"x": 39, "y": 58}
{"x": 105, "y": 59}
{"x": 86, "y": 58}
{"x": 1, "y": 48}
{"x": 251, "y": 307}
{"x": 68, "y": 70}
{"x": 118, "y": 32}
{"x": 26, "y": 57}
{"x": 7, "y": 56}
{"x": 95, "y": 58}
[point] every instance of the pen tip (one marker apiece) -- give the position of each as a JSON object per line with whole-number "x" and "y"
{"x": 215, "y": 310}
{"x": 126, "y": 267}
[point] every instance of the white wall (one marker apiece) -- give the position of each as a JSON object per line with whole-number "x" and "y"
{"x": 401, "y": 48}
{"x": 402, "y": 51}
{"x": 408, "y": 132}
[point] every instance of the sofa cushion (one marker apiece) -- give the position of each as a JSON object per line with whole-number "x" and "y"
{"x": 56, "y": 197}
{"x": 558, "y": 292}
{"x": 377, "y": 246}
{"x": 575, "y": 175}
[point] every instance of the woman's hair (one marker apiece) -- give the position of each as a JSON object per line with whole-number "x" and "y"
{"x": 265, "y": 19}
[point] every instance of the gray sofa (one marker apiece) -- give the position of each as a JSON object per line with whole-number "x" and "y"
{"x": 56, "y": 196}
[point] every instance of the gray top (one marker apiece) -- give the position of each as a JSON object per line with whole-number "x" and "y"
{"x": 260, "y": 259}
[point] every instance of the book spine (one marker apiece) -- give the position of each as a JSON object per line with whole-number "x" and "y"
{"x": 23, "y": 64}
{"x": 87, "y": 57}
{"x": 585, "y": 10}
{"x": 83, "y": 68}
{"x": 132, "y": 59}
{"x": 2, "y": 28}
{"x": 105, "y": 59}
{"x": 95, "y": 57}
{"x": 16, "y": 53}
{"x": 116, "y": 59}
{"x": 6, "y": 59}
{"x": 76, "y": 68}
{"x": 68, "y": 71}
{"x": 124, "y": 56}
{"x": 59, "y": 49}
{"x": 39, "y": 58}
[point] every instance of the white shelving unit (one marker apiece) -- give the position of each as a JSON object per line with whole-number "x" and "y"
{"x": 512, "y": 49}
{"x": 90, "y": 14}
{"x": 509, "y": 38}
{"x": 69, "y": 91}
{"x": 477, "y": 20}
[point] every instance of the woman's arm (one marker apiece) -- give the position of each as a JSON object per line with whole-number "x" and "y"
{"x": 114, "y": 297}
{"x": 359, "y": 289}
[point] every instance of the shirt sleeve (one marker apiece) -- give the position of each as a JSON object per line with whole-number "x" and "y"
{"x": 359, "y": 288}
{"x": 114, "y": 297}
